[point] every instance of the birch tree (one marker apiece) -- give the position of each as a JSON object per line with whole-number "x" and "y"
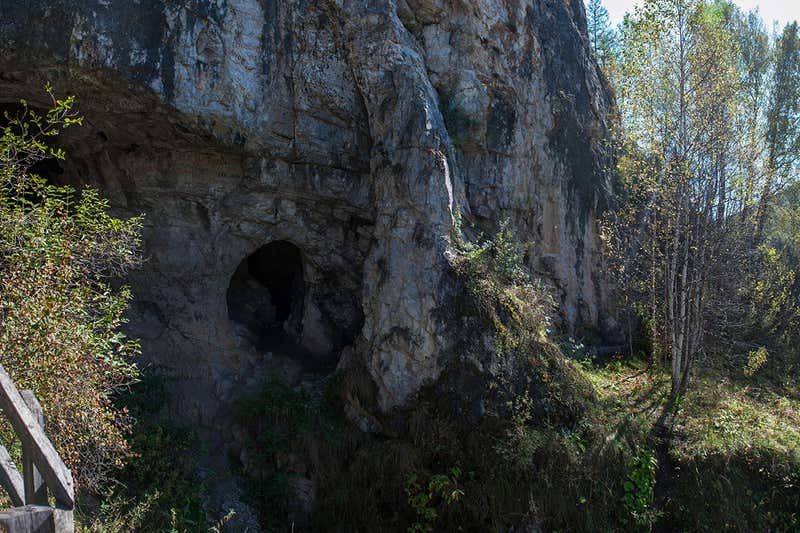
{"x": 783, "y": 119}
{"x": 679, "y": 86}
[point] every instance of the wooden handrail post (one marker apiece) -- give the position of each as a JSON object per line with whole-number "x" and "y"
{"x": 11, "y": 479}
{"x": 42, "y": 467}
{"x": 35, "y": 488}
{"x": 44, "y": 455}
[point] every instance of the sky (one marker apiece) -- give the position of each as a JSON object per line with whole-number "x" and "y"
{"x": 782, "y": 11}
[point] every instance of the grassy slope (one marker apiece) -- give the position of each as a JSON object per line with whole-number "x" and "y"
{"x": 734, "y": 457}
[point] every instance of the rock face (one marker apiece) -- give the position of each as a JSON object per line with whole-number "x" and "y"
{"x": 354, "y": 130}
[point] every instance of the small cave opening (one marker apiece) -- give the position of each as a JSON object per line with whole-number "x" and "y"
{"x": 51, "y": 171}
{"x": 266, "y": 296}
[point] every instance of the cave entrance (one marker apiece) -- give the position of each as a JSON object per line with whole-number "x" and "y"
{"x": 266, "y": 295}
{"x": 50, "y": 168}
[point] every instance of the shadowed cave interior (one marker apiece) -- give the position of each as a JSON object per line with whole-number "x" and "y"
{"x": 266, "y": 296}
{"x": 50, "y": 168}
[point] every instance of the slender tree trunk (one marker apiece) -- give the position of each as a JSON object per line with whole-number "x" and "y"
{"x": 763, "y": 201}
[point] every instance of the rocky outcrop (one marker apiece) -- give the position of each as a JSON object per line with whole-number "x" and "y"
{"x": 356, "y": 130}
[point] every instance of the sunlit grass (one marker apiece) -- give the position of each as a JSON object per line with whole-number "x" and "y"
{"x": 720, "y": 417}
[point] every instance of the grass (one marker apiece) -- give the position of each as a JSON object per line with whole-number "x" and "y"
{"x": 721, "y": 418}
{"x": 739, "y": 456}
{"x": 734, "y": 457}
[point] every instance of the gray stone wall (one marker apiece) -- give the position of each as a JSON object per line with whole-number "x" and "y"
{"x": 354, "y": 129}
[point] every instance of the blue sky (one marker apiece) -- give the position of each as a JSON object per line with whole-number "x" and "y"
{"x": 782, "y": 11}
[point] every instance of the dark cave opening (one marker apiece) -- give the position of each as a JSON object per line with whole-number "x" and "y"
{"x": 266, "y": 295}
{"x": 50, "y": 168}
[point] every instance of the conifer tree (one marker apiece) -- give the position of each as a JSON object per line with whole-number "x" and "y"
{"x": 601, "y": 35}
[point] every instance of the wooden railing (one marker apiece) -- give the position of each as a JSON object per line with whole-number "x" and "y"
{"x": 42, "y": 469}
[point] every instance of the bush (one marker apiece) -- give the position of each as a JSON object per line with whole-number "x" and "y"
{"x": 425, "y": 498}
{"x": 281, "y": 423}
{"x": 60, "y": 315}
{"x": 160, "y": 487}
{"x": 638, "y": 497}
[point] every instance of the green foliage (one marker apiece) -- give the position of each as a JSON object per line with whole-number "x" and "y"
{"x": 783, "y": 231}
{"x": 733, "y": 462}
{"x": 501, "y": 256}
{"x": 702, "y": 66}
{"x": 565, "y": 479}
{"x": 158, "y": 488}
{"x": 366, "y": 492}
{"x": 60, "y": 314}
{"x": 508, "y": 255}
{"x": 725, "y": 420}
{"x": 739, "y": 460}
{"x": 441, "y": 489}
{"x": 783, "y": 129}
{"x": 755, "y": 360}
{"x": 549, "y": 454}
{"x": 733, "y": 494}
{"x": 678, "y": 98}
{"x": 280, "y": 409}
{"x": 517, "y": 306}
{"x": 639, "y": 488}
{"x": 540, "y": 456}
{"x": 280, "y": 421}
{"x": 523, "y": 440}
{"x": 61, "y": 311}
{"x": 275, "y": 415}
{"x": 601, "y": 36}
{"x": 773, "y": 295}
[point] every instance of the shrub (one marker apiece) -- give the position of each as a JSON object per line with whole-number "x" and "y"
{"x": 773, "y": 295}
{"x": 519, "y": 307}
{"x": 280, "y": 423}
{"x": 755, "y": 360}
{"x": 161, "y": 487}
{"x": 60, "y": 315}
{"x": 638, "y": 496}
{"x": 424, "y": 499}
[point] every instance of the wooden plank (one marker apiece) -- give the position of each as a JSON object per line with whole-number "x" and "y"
{"x": 63, "y": 520}
{"x": 11, "y": 479}
{"x": 35, "y": 488}
{"x": 28, "y": 519}
{"x": 44, "y": 455}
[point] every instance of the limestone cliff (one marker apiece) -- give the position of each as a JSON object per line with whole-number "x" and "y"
{"x": 351, "y": 131}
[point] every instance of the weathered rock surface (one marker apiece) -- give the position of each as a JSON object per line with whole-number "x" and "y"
{"x": 354, "y": 129}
